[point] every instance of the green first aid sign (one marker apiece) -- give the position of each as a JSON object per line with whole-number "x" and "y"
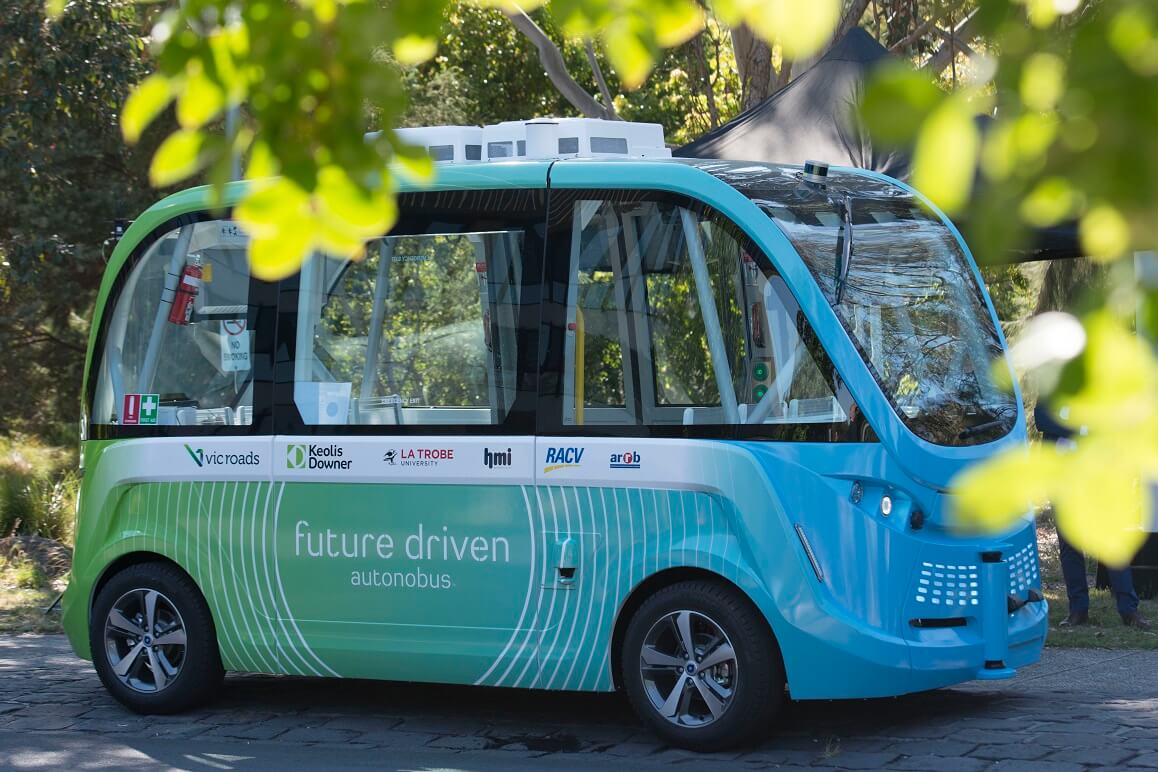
{"x": 140, "y": 409}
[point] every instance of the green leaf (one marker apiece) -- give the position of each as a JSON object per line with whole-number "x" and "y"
{"x": 1043, "y": 79}
{"x": 145, "y": 103}
{"x": 630, "y": 57}
{"x": 54, "y": 9}
{"x": 799, "y": 28}
{"x": 677, "y": 21}
{"x": 945, "y": 157}
{"x": 1105, "y": 233}
{"x": 414, "y": 49}
{"x": 178, "y": 157}
{"x": 897, "y": 101}
{"x": 200, "y": 100}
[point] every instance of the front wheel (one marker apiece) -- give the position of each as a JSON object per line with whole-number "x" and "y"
{"x": 701, "y": 666}
{"x": 153, "y": 642}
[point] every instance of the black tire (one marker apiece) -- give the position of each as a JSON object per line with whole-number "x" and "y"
{"x": 198, "y": 675}
{"x": 757, "y": 678}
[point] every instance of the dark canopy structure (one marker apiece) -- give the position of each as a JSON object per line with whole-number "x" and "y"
{"x": 815, "y": 117}
{"x": 811, "y": 117}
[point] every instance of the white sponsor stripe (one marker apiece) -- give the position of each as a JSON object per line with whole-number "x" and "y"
{"x": 281, "y": 590}
{"x": 604, "y": 669}
{"x": 241, "y": 594}
{"x": 596, "y": 588}
{"x": 572, "y": 594}
{"x": 578, "y": 593}
{"x": 552, "y": 620}
{"x": 526, "y": 597}
{"x": 248, "y": 597}
{"x": 264, "y": 620}
{"x": 533, "y": 632}
{"x": 222, "y": 550}
{"x": 289, "y": 665}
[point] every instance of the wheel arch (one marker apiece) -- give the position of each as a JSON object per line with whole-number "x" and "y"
{"x": 653, "y": 584}
{"x": 135, "y": 558}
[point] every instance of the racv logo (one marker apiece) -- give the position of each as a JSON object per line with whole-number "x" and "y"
{"x": 563, "y": 458}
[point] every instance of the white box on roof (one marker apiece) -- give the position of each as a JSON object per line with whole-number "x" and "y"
{"x": 454, "y": 144}
{"x": 574, "y": 138}
{"x": 540, "y": 138}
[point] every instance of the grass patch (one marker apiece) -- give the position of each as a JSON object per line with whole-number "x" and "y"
{"x": 24, "y": 594}
{"x": 1105, "y": 630}
{"x": 38, "y": 485}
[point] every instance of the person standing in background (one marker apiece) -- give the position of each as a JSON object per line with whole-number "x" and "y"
{"x": 1073, "y": 562}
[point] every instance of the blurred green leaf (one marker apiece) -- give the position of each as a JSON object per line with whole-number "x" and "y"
{"x": 897, "y": 102}
{"x": 199, "y": 100}
{"x": 414, "y": 49}
{"x": 54, "y": 9}
{"x": 178, "y": 157}
{"x": 145, "y": 103}
{"x": 1105, "y": 233}
{"x": 631, "y": 58}
{"x": 799, "y": 28}
{"x": 945, "y": 156}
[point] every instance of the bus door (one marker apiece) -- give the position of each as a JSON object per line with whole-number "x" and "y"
{"x": 670, "y": 328}
{"x": 407, "y": 533}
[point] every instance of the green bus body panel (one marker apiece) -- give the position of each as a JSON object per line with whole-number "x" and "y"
{"x": 344, "y": 579}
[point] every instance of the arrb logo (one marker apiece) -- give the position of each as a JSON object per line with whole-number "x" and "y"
{"x": 563, "y": 458}
{"x": 627, "y": 460}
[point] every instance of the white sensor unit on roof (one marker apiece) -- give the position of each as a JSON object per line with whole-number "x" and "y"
{"x": 542, "y": 138}
{"x": 453, "y": 144}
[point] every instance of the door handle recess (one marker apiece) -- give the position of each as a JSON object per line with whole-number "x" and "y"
{"x": 567, "y": 561}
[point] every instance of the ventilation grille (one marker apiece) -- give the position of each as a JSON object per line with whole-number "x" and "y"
{"x": 943, "y": 584}
{"x": 1023, "y": 570}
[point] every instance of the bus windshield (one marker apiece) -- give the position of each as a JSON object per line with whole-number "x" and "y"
{"x": 905, "y": 292}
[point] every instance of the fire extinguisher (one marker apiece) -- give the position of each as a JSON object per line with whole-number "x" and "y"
{"x": 187, "y": 289}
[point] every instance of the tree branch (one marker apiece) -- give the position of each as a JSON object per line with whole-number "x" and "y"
{"x": 920, "y": 32}
{"x": 597, "y": 71}
{"x": 954, "y": 44}
{"x": 552, "y": 60}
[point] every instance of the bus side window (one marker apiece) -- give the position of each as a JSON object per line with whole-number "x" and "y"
{"x": 177, "y": 348}
{"x": 674, "y": 318}
{"x": 421, "y": 331}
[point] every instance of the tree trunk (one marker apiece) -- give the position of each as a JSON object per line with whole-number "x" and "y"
{"x": 703, "y": 78}
{"x": 754, "y": 62}
{"x": 552, "y": 61}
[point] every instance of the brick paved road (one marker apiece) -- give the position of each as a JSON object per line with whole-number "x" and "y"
{"x": 1077, "y": 710}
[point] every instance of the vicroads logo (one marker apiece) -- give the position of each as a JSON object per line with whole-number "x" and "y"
{"x": 563, "y": 458}
{"x": 627, "y": 460}
{"x": 202, "y": 457}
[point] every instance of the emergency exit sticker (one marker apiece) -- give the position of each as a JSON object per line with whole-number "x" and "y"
{"x": 234, "y": 346}
{"x": 140, "y": 409}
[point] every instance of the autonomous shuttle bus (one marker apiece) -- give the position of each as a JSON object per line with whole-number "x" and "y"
{"x": 587, "y": 418}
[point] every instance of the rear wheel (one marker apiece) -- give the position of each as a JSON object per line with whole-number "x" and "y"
{"x": 701, "y": 666}
{"x": 153, "y": 642}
